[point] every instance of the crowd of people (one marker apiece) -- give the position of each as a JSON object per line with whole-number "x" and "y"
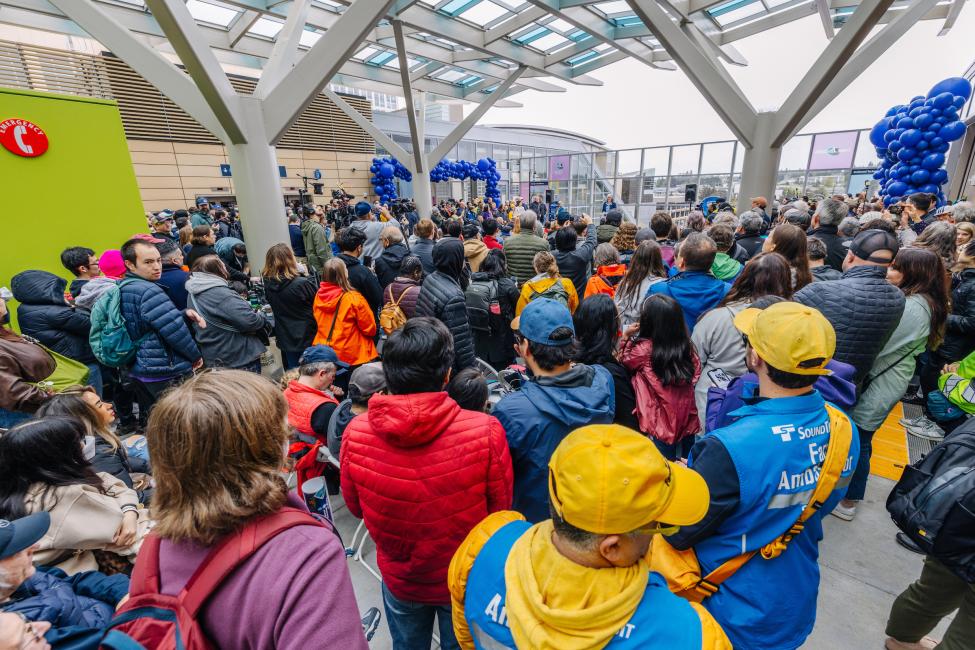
{"x": 559, "y": 430}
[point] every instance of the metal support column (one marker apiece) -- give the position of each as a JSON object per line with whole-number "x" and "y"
{"x": 761, "y": 165}
{"x": 422, "y": 191}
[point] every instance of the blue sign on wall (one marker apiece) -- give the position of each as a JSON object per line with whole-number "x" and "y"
{"x": 317, "y": 174}
{"x": 282, "y": 171}
{"x": 225, "y": 170}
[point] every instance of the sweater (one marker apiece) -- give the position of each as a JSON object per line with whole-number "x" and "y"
{"x": 520, "y": 252}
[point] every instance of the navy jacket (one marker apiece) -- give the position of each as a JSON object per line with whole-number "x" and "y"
{"x": 173, "y": 280}
{"x": 297, "y": 241}
{"x": 44, "y": 314}
{"x": 78, "y": 607}
{"x": 423, "y": 248}
{"x": 169, "y": 350}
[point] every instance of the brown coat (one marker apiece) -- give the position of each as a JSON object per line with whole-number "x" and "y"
{"x": 22, "y": 362}
{"x": 82, "y": 520}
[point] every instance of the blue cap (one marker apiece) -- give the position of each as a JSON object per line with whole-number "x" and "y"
{"x": 201, "y": 201}
{"x": 322, "y": 354}
{"x": 362, "y": 208}
{"x": 542, "y": 317}
{"x": 22, "y": 533}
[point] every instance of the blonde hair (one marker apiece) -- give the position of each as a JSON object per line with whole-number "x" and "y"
{"x": 217, "y": 457}
{"x": 71, "y": 403}
{"x": 336, "y": 272}
{"x": 185, "y": 235}
{"x": 544, "y": 262}
{"x": 280, "y": 263}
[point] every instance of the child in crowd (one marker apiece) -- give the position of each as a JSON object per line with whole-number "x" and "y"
{"x": 469, "y": 389}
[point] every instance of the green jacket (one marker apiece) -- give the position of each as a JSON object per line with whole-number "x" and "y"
{"x": 605, "y": 233}
{"x": 317, "y": 250}
{"x": 725, "y": 267}
{"x": 957, "y": 386}
{"x": 200, "y": 219}
{"x": 520, "y": 250}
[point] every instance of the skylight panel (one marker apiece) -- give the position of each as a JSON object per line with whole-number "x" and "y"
{"x": 210, "y": 13}
{"x": 365, "y": 53}
{"x": 614, "y": 7}
{"x": 549, "y": 41}
{"x": 483, "y": 12}
{"x": 559, "y": 25}
{"x": 309, "y": 38}
{"x": 266, "y": 27}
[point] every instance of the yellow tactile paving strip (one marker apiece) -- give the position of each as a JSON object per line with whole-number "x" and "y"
{"x": 890, "y": 447}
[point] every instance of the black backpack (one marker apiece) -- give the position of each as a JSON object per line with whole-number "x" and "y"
{"x": 483, "y": 308}
{"x": 934, "y": 502}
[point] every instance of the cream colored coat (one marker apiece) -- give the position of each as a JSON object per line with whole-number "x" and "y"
{"x": 82, "y": 520}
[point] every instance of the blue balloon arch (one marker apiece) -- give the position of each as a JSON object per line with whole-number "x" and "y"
{"x": 384, "y": 170}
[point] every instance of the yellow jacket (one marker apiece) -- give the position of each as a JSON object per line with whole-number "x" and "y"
{"x": 539, "y": 284}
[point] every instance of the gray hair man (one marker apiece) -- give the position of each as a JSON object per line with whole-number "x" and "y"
{"x": 963, "y": 211}
{"x": 849, "y": 227}
{"x": 749, "y": 235}
{"x": 520, "y": 249}
{"x": 825, "y": 226}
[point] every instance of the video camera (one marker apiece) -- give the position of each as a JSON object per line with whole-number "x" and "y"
{"x": 342, "y": 212}
{"x": 399, "y": 207}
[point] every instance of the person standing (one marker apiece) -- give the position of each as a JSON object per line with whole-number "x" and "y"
{"x": 423, "y": 246}
{"x": 201, "y": 244}
{"x": 163, "y": 227}
{"x": 442, "y": 297}
{"x": 173, "y": 278}
{"x": 315, "y": 240}
{"x": 520, "y": 249}
{"x": 573, "y": 258}
{"x": 82, "y": 264}
{"x": 394, "y": 250}
{"x": 460, "y": 472}
{"x": 291, "y": 296}
{"x": 608, "y": 204}
{"x": 297, "y": 240}
{"x": 825, "y": 227}
{"x": 694, "y": 288}
{"x": 345, "y": 321}
{"x": 350, "y": 242}
{"x": 201, "y": 216}
{"x": 22, "y": 365}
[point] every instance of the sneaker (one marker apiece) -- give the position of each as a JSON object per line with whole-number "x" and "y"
{"x": 927, "y": 643}
{"x": 913, "y": 422}
{"x": 927, "y": 430}
{"x": 846, "y": 513}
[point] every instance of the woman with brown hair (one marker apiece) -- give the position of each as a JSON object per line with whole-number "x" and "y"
{"x": 345, "y": 321}
{"x": 646, "y": 268}
{"x": 202, "y": 242}
{"x": 547, "y": 283}
{"x": 920, "y": 275}
{"x": 83, "y": 404}
{"x": 625, "y": 241}
{"x": 217, "y": 461}
{"x": 291, "y": 296}
{"x": 789, "y": 241}
{"x": 232, "y": 336}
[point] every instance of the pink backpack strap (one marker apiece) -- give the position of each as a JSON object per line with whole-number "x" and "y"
{"x": 236, "y": 548}
{"x": 145, "y": 573}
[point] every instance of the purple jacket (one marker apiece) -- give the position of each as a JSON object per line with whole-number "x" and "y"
{"x": 837, "y": 389}
{"x": 294, "y": 592}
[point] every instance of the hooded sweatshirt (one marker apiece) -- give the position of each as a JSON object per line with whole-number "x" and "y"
{"x": 230, "y": 338}
{"x": 725, "y": 267}
{"x": 695, "y": 291}
{"x": 345, "y": 323}
{"x": 540, "y": 415}
{"x": 539, "y": 284}
{"x": 475, "y": 251}
{"x": 44, "y": 314}
{"x": 605, "y": 280}
{"x": 92, "y": 291}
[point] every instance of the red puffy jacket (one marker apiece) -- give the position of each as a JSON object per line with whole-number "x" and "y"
{"x": 422, "y": 472}
{"x": 667, "y": 413}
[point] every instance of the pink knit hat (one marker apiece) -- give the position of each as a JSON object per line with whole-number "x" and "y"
{"x": 111, "y": 264}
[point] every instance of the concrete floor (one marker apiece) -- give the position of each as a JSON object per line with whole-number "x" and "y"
{"x": 863, "y": 570}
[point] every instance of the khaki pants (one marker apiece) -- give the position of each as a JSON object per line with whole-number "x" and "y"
{"x": 936, "y": 594}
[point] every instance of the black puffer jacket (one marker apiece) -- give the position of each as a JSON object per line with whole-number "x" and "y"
{"x": 365, "y": 282}
{"x": 577, "y": 264}
{"x": 960, "y": 333}
{"x": 44, "y": 314}
{"x": 387, "y": 264}
{"x": 863, "y": 308}
{"x": 442, "y": 298}
{"x": 835, "y": 250}
{"x": 291, "y": 301}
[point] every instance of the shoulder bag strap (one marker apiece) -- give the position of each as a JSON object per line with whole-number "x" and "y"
{"x": 208, "y": 319}
{"x": 335, "y": 317}
{"x": 869, "y": 380}
{"x": 145, "y": 573}
{"x": 234, "y": 550}
{"x": 841, "y": 436}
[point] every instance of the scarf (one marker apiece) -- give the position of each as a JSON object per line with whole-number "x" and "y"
{"x": 554, "y": 603}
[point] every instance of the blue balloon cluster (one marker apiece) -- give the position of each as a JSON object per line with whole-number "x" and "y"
{"x": 912, "y": 140}
{"x": 384, "y": 170}
{"x": 486, "y": 169}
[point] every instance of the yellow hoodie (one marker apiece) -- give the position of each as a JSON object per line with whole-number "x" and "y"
{"x": 539, "y": 284}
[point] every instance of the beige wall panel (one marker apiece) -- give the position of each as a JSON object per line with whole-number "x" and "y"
{"x": 165, "y": 194}
{"x": 150, "y": 145}
{"x": 159, "y": 182}
{"x": 153, "y": 157}
{"x": 155, "y": 170}
{"x": 190, "y": 147}
{"x": 208, "y": 160}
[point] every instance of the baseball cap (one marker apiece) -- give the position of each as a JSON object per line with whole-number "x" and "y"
{"x": 607, "y": 479}
{"x": 869, "y": 242}
{"x": 362, "y": 208}
{"x": 22, "y": 533}
{"x": 322, "y": 354}
{"x": 162, "y": 217}
{"x": 790, "y": 337}
{"x": 367, "y": 380}
{"x": 202, "y": 201}
{"x": 542, "y": 317}
{"x": 148, "y": 238}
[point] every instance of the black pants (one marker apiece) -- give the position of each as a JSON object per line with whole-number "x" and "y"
{"x": 149, "y": 392}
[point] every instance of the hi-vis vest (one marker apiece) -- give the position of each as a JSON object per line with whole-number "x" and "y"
{"x": 777, "y": 448}
{"x": 302, "y": 402}
{"x": 662, "y": 620}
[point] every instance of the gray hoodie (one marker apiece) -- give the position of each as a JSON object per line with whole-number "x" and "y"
{"x": 230, "y": 337}
{"x": 720, "y": 347}
{"x": 92, "y": 291}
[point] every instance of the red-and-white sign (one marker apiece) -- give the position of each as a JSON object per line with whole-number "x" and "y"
{"x": 23, "y": 137}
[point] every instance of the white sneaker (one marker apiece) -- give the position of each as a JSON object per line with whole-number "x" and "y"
{"x": 927, "y": 430}
{"x": 846, "y": 513}
{"x": 913, "y": 422}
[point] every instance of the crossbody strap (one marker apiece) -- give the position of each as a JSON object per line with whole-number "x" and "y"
{"x": 335, "y": 317}
{"x": 208, "y": 319}
{"x": 840, "y": 439}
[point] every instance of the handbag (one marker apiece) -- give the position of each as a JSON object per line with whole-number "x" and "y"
{"x": 67, "y": 372}
{"x": 682, "y": 568}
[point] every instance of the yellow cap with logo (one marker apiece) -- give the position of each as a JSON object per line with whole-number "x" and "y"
{"x": 608, "y": 479}
{"x": 790, "y": 337}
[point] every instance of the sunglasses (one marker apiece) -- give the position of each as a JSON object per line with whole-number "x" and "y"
{"x": 656, "y": 529}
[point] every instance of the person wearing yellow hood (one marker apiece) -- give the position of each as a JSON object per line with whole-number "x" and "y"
{"x": 547, "y": 283}
{"x": 581, "y": 579}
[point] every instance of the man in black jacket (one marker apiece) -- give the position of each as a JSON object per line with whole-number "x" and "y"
{"x": 350, "y": 242}
{"x": 442, "y": 297}
{"x": 825, "y": 224}
{"x": 575, "y": 263}
{"x": 394, "y": 250}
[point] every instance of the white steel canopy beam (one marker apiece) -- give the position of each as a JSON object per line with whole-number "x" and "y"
{"x": 312, "y": 73}
{"x": 387, "y": 143}
{"x": 822, "y": 6}
{"x": 181, "y": 29}
{"x": 461, "y": 129}
{"x": 241, "y": 25}
{"x": 822, "y": 72}
{"x": 285, "y": 50}
{"x": 149, "y": 63}
{"x": 415, "y": 130}
{"x": 519, "y": 21}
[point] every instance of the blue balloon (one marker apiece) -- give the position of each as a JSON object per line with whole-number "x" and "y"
{"x": 386, "y": 170}
{"x": 914, "y": 112}
{"x": 923, "y": 121}
{"x": 953, "y": 85}
{"x": 949, "y": 114}
{"x": 916, "y": 102}
{"x": 952, "y": 131}
{"x": 897, "y": 188}
{"x": 483, "y": 164}
{"x": 886, "y": 136}
{"x": 911, "y": 137}
{"x": 905, "y": 123}
{"x": 959, "y": 101}
{"x": 934, "y": 112}
{"x": 920, "y": 177}
{"x": 939, "y": 176}
{"x": 894, "y": 110}
{"x": 933, "y": 161}
{"x": 895, "y": 146}
{"x": 906, "y": 153}
{"x": 930, "y": 188}
{"x": 922, "y": 145}
{"x": 941, "y": 148}
{"x": 943, "y": 100}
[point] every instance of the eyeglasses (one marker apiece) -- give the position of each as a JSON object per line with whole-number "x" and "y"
{"x": 657, "y": 529}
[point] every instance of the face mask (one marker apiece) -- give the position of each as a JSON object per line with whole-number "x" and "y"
{"x": 88, "y": 447}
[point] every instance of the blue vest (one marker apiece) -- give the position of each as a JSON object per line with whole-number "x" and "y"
{"x": 778, "y": 447}
{"x": 661, "y": 620}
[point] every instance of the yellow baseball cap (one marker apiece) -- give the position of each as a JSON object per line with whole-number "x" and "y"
{"x": 790, "y": 337}
{"x": 607, "y": 479}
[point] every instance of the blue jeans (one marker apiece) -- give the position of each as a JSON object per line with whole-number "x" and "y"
{"x": 95, "y": 377}
{"x": 411, "y": 624}
{"x": 858, "y": 482}
{"x": 674, "y": 451}
{"x": 10, "y": 418}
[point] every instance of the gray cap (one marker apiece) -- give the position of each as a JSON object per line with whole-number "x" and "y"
{"x": 367, "y": 380}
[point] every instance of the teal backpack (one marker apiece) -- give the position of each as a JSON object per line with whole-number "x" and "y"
{"x": 110, "y": 341}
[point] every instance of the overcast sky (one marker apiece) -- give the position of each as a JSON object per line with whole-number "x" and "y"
{"x": 641, "y": 106}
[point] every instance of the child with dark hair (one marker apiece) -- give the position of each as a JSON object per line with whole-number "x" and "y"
{"x": 469, "y": 389}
